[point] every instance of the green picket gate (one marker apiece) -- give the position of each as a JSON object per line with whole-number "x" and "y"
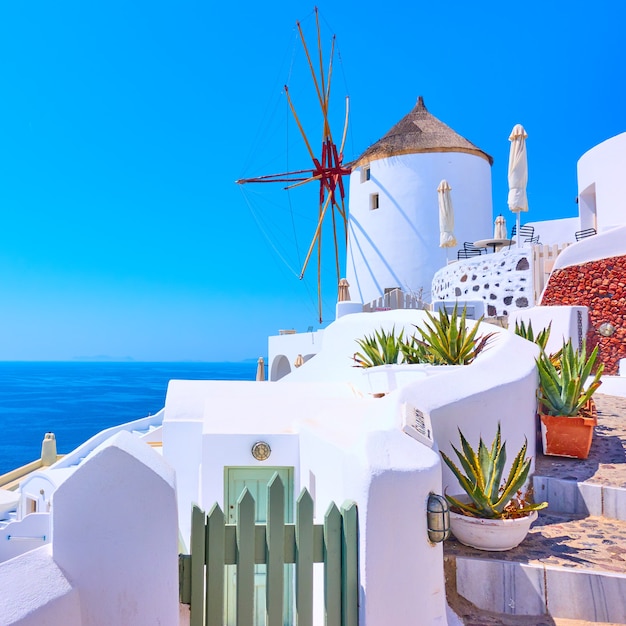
{"x": 215, "y": 544}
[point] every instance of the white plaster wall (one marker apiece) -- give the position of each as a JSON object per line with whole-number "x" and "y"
{"x": 397, "y": 245}
{"x": 567, "y": 322}
{"x": 40, "y": 486}
{"x": 212, "y": 424}
{"x": 182, "y": 447}
{"x": 223, "y": 450}
{"x": 556, "y": 231}
{"x": 601, "y": 182}
{"x": 24, "y": 535}
{"x": 475, "y": 397}
{"x": 36, "y": 592}
{"x": 503, "y": 281}
{"x": 351, "y": 447}
{"x": 289, "y": 347}
{"x": 601, "y": 246}
{"x": 390, "y": 476}
{"x": 115, "y": 535}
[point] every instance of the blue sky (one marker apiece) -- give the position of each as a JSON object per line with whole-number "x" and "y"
{"x": 123, "y": 126}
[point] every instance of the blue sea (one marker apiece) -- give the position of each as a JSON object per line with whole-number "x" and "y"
{"x": 75, "y": 400}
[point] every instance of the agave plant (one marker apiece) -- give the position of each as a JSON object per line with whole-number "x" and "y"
{"x": 527, "y": 332}
{"x": 381, "y": 348}
{"x": 541, "y": 339}
{"x": 564, "y": 390}
{"x": 446, "y": 340}
{"x": 490, "y": 497}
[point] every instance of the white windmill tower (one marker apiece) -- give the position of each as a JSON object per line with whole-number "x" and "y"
{"x": 393, "y": 230}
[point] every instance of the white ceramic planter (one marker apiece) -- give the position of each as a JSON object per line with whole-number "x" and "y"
{"x": 383, "y": 379}
{"x": 494, "y": 535}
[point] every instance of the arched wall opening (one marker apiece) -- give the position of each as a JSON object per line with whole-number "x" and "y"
{"x": 280, "y": 367}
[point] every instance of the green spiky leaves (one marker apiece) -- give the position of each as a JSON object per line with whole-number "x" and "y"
{"x": 490, "y": 496}
{"x": 445, "y": 340}
{"x": 381, "y": 348}
{"x": 563, "y": 388}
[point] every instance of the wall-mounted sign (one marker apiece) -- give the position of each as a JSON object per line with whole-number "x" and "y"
{"x": 417, "y": 424}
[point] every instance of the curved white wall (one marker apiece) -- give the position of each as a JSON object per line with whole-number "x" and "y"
{"x": 600, "y": 246}
{"x": 397, "y": 245}
{"x": 602, "y": 185}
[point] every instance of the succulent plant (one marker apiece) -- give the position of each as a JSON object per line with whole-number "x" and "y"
{"x": 489, "y": 496}
{"x": 563, "y": 389}
{"x": 446, "y": 339}
{"x": 541, "y": 339}
{"x": 381, "y": 348}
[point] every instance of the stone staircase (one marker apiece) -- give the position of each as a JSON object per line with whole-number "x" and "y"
{"x": 571, "y": 569}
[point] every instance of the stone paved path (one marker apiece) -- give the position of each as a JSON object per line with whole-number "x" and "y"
{"x": 573, "y": 542}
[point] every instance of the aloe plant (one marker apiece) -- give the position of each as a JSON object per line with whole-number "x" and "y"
{"x": 490, "y": 497}
{"x": 541, "y": 339}
{"x": 381, "y": 348}
{"x": 563, "y": 390}
{"x": 527, "y": 332}
{"x": 446, "y": 339}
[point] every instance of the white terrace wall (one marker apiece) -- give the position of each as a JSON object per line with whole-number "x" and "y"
{"x": 566, "y": 322}
{"x": 602, "y": 185}
{"x": 284, "y": 349}
{"x": 473, "y": 397}
{"x": 24, "y": 535}
{"x": 36, "y": 592}
{"x": 504, "y": 281}
{"x": 115, "y": 535}
{"x": 114, "y": 552}
{"x": 342, "y": 445}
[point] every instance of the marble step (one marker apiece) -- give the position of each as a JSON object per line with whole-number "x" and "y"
{"x": 592, "y": 486}
{"x": 569, "y": 496}
{"x": 568, "y": 567}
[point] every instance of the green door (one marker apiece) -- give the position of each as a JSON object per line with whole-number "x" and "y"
{"x": 256, "y": 480}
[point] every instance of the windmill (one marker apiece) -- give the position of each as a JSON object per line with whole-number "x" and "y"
{"x": 327, "y": 168}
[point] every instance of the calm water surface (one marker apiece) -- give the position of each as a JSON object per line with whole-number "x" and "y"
{"x": 77, "y": 400}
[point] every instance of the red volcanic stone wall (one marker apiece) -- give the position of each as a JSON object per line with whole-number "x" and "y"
{"x": 601, "y": 286}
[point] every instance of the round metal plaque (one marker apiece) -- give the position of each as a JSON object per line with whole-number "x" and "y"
{"x": 261, "y": 451}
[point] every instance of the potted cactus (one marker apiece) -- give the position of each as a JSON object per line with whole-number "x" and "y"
{"x": 565, "y": 404}
{"x": 494, "y": 514}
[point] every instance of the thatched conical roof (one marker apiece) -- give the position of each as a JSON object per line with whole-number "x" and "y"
{"x": 419, "y": 131}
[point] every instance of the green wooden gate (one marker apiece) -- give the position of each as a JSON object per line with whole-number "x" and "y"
{"x": 256, "y": 479}
{"x": 214, "y": 544}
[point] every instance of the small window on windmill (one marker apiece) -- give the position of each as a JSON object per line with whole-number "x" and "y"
{"x": 374, "y": 201}
{"x": 365, "y": 173}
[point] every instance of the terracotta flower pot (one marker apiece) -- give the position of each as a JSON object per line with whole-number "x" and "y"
{"x": 567, "y": 436}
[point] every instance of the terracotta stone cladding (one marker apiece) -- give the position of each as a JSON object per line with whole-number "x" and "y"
{"x": 600, "y": 286}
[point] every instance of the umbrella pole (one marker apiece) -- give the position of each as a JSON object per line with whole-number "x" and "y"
{"x": 518, "y": 221}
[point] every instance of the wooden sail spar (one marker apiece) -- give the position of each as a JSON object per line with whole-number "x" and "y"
{"x": 328, "y": 169}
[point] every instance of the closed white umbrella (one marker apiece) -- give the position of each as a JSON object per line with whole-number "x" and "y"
{"x": 446, "y": 216}
{"x": 260, "y": 369}
{"x": 343, "y": 294}
{"x": 518, "y": 174}
{"x": 499, "y": 232}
